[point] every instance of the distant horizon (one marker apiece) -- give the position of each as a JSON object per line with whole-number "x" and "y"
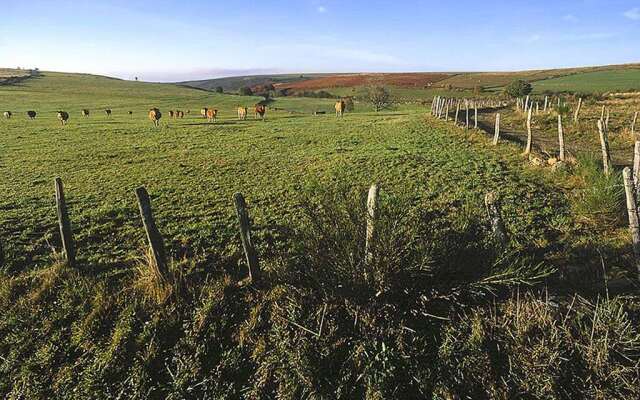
{"x": 172, "y": 41}
{"x": 251, "y": 73}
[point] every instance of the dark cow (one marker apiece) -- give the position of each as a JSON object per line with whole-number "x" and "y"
{"x": 85, "y": 113}
{"x": 7, "y": 114}
{"x": 63, "y": 116}
{"x": 108, "y": 112}
{"x": 31, "y": 114}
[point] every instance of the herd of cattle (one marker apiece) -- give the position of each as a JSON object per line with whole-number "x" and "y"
{"x": 211, "y": 114}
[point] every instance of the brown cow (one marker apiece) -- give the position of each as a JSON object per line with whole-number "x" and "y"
{"x": 7, "y": 114}
{"x": 171, "y": 113}
{"x": 31, "y": 114}
{"x": 63, "y": 116}
{"x": 260, "y": 110}
{"x": 340, "y": 107}
{"x": 108, "y": 112}
{"x": 242, "y": 113}
{"x": 203, "y": 112}
{"x": 212, "y": 115}
{"x": 154, "y": 116}
{"x": 179, "y": 114}
{"x": 85, "y": 113}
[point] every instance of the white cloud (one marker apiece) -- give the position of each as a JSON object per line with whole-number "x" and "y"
{"x": 570, "y": 18}
{"x": 321, "y": 9}
{"x": 633, "y": 14}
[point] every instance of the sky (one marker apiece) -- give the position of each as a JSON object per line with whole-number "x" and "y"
{"x": 169, "y": 40}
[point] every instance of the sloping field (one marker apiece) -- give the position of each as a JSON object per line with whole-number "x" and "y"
{"x": 599, "y": 81}
{"x": 420, "y": 80}
{"x": 236, "y": 82}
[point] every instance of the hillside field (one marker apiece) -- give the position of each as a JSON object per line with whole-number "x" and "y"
{"x": 434, "y": 308}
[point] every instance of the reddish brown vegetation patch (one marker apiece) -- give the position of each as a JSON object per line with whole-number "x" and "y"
{"x": 419, "y": 80}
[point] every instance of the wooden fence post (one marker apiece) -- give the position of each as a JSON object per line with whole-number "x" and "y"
{"x": 606, "y": 121}
{"x": 546, "y": 103}
{"x": 372, "y": 205}
{"x": 561, "y": 138}
{"x": 577, "y": 113}
{"x": 475, "y": 117}
{"x": 245, "y": 236}
{"x": 497, "y": 225}
{"x": 526, "y": 104}
{"x": 633, "y": 123}
{"x": 496, "y": 136}
{"x": 65, "y": 224}
{"x": 466, "y": 106}
{"x": 156, "y": 242}
{"x": 457, "y": 111}
{"x": 527, "y": 150}
{"x": 446, "y": 112}
{"x": 632, "y": 210}
{"x": 636, "y": 168}
{"x": 604, "y": 144}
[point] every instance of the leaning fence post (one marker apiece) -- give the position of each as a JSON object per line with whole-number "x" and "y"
{"x": 633, "y": 124}
{"x": 372, "y": 206}
{"x": 497, "y": 225}
{"x": 457, "y": 111}
{"x": 64, "y": 224}
{"x": 636, "y": 166}
{"x": 475, "y": 116}
{"x": 632, "y": 210}
{"x": 496, "y": 136}
{"x": 245, "y": 236}
{"x": 156, "y": 242}
{"x": 527, "y": 150}
{"x": 577, "y": 113}
{"x": 466, "y": 106}
{"x": 604, "y": 144}
{"x": 561, "y": 138}
{"x": 446, "y": 112}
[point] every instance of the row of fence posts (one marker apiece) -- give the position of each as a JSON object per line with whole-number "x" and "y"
{"x": 441, "y": 107}
{"x": 156, "y": 242}
{"x": 631, "y": 177}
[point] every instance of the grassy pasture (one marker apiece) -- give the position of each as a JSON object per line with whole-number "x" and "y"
{"x": 589, "y": 82}
{"x": 431, "y": 330}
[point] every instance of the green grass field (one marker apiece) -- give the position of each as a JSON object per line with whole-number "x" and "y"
{"x": 599, "y": 81}
{"x": 432, "y": 314}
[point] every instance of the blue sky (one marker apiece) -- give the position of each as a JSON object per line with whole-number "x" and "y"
{"x": 168, "y": 40}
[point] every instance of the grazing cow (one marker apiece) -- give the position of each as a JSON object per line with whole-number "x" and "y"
{"x": 85, "y": 113}
{"x": 260, "y": 110}
{"x": 130, "y": 112}
{"x": 7, "y": 114}
{"x": 63, "y": 116}
{"x": 203, "y": 112}
{"x": 31, "y": 114}
{"x": 179, "y": 114}
{"x": 154, "y": 116}
{"x": 188, "y": 111}
{"x": 212, "y": 115}
{"x": 340, "y": 107}
{"x": 170, "y": 113}
{"x": 242, "y": 113}
{"x": 108, "y": 112}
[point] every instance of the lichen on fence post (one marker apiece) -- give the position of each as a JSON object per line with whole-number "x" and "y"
{"x": 604, "y": 144}
{"x": 64, "y": 224}
{"x": 372, "y": 207}
{"x": 497, "y": 225}
{"x": 561, "y": 138}
{"x": 496, "y": 135}
{"x": 632, "y": 210}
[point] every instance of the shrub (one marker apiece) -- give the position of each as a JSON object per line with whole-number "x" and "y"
{"x": 219, "y": 89}
{"x": 246, "y": 91}
{"x": 518, "y": 88}
{"x": 380, "y": 97}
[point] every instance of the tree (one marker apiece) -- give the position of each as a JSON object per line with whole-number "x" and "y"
{"x": 380, "y": 97}
{"x": 348, "y": 104}
{"x": 246, "y": 91}
{"x": 518, "y": 88}
{"x": 219, "y": 89}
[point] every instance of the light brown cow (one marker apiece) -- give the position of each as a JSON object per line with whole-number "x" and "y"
{"x": 63, "y": 116}
{"x": 154, "y": 116}
{"x": 7, "y": 114}
{"x": 242, "y": 113}
{"x": 85, "y": 113}
{"x": 340, "y": 107}
{"x": 203, "y": 112}
{"x": 212, "y": 115}
{"x": 260, "y": 111}
{"x": 31, "y": 114}
{"x": 179, "y": 114}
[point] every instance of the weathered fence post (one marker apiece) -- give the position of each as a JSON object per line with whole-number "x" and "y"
{"x": 606, "y": 121}
{"x": 496, "y": 136}
{"x": 633, "y": 123}
{"x": 446, "y": 112}
{"x": 457, "y": 111}
{"x": 527, "y": 150}
{"x": 526, "y": 104}
{"x": 546, "y": 103}
{"x": 577, "y": 113}
{"x": 475, "y": 117}
{"x": 636, "y": 166}
{"x": 604, "y": 144}
{"x": 65, "y": 224}
{"x": 245, "y": 236}
{"x": 602, "y": 113}
{"x": 156, "y": 242}
{"x": 497, "y": 225}
{"x": 372, "y": 205}
{"x": 466, "y": 106}
{"x": 632, "y": 210}
{"x": 561, "y": 138}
